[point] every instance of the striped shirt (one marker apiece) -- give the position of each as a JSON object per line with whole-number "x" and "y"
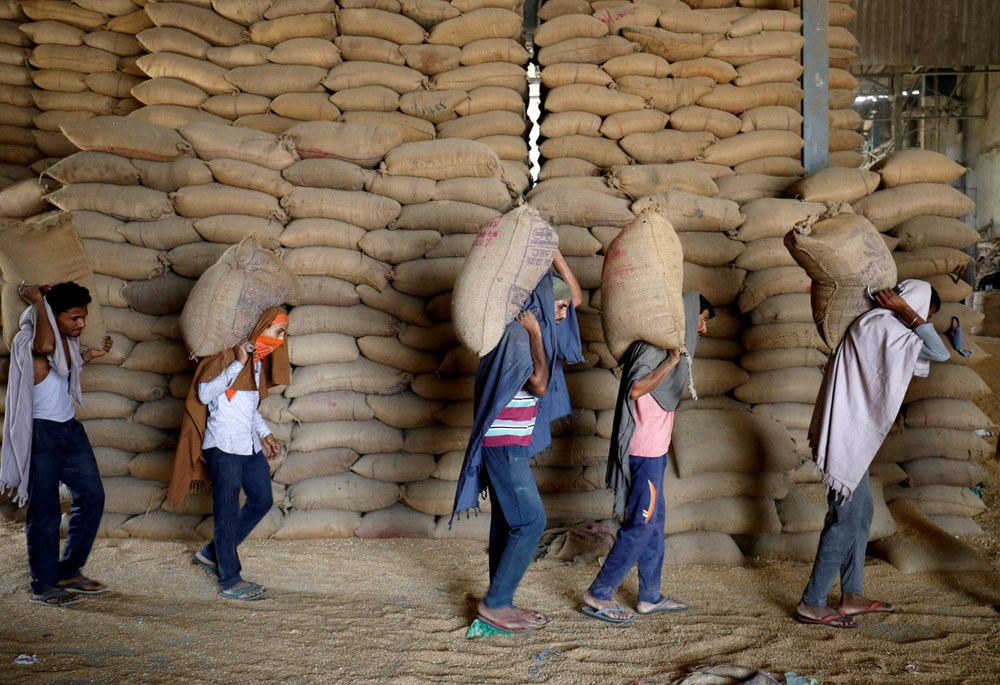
{"x": 515, "y": 423}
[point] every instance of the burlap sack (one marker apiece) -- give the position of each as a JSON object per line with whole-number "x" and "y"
{"x": 843, "y": 256}
{"x": 45, "y": 254}
{"x": 643, "y": 272}
{"x": 508, "y": 259}
{"x": 231, "y": 294}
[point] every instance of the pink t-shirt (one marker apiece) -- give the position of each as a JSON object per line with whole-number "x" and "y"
{"x": 654, "y": 427}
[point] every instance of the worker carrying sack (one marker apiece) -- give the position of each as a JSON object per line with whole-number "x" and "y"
{"x": 846, "y": 259}
{"x": 507, "y": 260}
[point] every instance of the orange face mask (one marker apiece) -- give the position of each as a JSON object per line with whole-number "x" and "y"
{"x": 264, "y": 346}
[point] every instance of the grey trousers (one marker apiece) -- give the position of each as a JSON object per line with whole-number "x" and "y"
{"x": 842, "y": 545}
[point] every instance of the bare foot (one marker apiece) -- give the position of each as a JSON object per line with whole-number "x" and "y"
{"x": 856, "y": 604}
{"x": 536, "y": 617}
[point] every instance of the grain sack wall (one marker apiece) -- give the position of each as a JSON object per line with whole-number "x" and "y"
{"x": 368, "y": 142}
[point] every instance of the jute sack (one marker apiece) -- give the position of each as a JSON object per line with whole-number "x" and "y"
{"x": 765, "y": 253}
{"x": 617, "y": 126}
{"x": 89, "y": 166}
{"x": 142, "y": 386}
{"x": 717, "y": 441}
{"x": 45, "y": 253}
{"x": 942, "y": 471}
{"x": 928, "y": 231}
{"x": 580, "y": 51}
{"x": 124, "y": 435}
{"x": 939, "y": 499}
{"x": 128, "y": 137}
{"x": 946, "y": 413}
{"x": 229, "y": 296}
{"x": 361, "y": 375}
{"x": 719, "y": 284}
{"x": 702, "y": 548}
{"x": 949, "y": 443}
{"x": 715, "y": 69}
{"x": 298, "y": 466}
{"x": 397, "y": 467}
{"x": 680, "y": 491}
{"x": 127, "y": 495}
{"x": 783, "y": 336}
{"x": 666, "y": 146}
{"x": 917, "y": 166}
{"x": 892, "y": 206}
{"x": 442, "y": 159}
{"x": 749, "y": 146}
{"x": 348, "y": 265}
{"x": 690, "y": 212}
{"x": 171, "y": 176}
{"x": 928, "y": 261}
{"x": 507, "y": 261}
{"x": 581, "y": 207}
{"x": 920, "y": 546}
{"x": 736, "y": 99}
{"x": 795, "y": 384}
{"x": 584, "y": 97}
{"x": 733, "y": 515}
{"x": 761, "y": 285}
{"x": 318, "y": 524}
{"x": 791, "y": 415}
{"x": 212, "y": 141}
{"x": 790, "y": 308}
{"x": 772, "y": 217}
{"x": 340, "y": 140}
{"x": 666, "y": 95}
{"x": 569, "y": 26}
{"x": 835, "y": 185}
{"x": 397, "y": 521}
{"x": 342, "y": 405}
{"x": 163, "y": 525}
{"x": 709, "y": 249}
{"x": 345, "y": 491}
{"x": 643, "y": 272}
{"x": 697, "y": 118}
{"x": 26, "y": 198}
{"x": 957, "y": 526}
{"x": 639, "y": 180}
{"x": 361, "y": 436}
{"x": 844, "y": 255}
{"x": 105, "y": 405}
{"x": 124, "y": 202}
{"x": 430, "y": 496}
{"x": 600, "y": 152}
{"x": 556, "y": 75}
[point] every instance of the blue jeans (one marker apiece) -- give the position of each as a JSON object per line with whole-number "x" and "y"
{"x": 640, "y": 539}
{"x": 232, "y": 523}
{"x": 60, "y": 451}
{"x": 842, "y": 545}
{"x": 516, "y": 524}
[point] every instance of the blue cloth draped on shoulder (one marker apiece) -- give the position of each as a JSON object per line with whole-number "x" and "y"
{"x": 503, "y": 372}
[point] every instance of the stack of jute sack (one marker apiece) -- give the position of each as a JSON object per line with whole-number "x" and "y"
{"x": 17, "y": 108}
{"x": 935, "y": 451}
{"x": 83, "y": 63}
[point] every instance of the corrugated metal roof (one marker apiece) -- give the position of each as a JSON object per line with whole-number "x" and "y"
{"x": 910, "y": 33}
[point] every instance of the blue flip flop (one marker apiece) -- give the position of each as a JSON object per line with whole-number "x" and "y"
{"x": 207, "y": 564}
{"x": 602, "y": 614}
{"x": 249, "y": 593}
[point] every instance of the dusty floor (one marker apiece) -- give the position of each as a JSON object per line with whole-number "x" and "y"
{"x": 396, "y": 612}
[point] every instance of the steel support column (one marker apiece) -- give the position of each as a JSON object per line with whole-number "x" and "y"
{"x": 816, "y": 84}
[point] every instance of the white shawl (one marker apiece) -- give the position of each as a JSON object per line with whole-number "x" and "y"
{"x": 15, "y": 457}
{"x": 863, "y": 389}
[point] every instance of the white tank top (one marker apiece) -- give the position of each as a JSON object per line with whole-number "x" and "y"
{"x": 50, "y": 399}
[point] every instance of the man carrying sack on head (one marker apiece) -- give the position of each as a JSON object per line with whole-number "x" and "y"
{"x": 652, "y": 382}
{"x": 862, "y": 390}
{"x": 225, "y": 442}
{"x": 43, "y": 444}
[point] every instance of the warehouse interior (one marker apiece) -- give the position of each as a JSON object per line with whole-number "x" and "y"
{"x": 194, "y": 162}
